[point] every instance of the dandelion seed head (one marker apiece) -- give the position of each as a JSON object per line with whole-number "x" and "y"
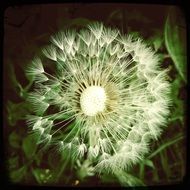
{"x": 105, "y": 98}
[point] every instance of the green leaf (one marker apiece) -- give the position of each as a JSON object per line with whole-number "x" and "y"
{"x": 38, "y": 175}
{"x": 14, "y": 140}
{"x": 149, "y": 163}
{"x": 13, "y": 78}
{"x": 165, "y": 145}
{"x": 16, "y": 84}
{"x": 13, "y": 162}
{"x": 16, "y": 111}
{"x": 178, "y": 104}
{"x": 17, "y": 175}
{"x": 29, "y": 145}
{"x": 175, "y": 40}
{"x": 141, "y": 171}
{"x": 146, "y": 162}
{"x": 165, "y": 164}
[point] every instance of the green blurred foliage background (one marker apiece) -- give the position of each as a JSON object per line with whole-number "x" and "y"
{"x": 28, "y": 28}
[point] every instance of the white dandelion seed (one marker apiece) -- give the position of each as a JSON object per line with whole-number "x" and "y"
{"x": 58, "y": 40}
{"x": 50, "y": 52}
{"x": 96, "y": 28}
{"x": 35, "y": 68}
{"x": 105, "y": 99}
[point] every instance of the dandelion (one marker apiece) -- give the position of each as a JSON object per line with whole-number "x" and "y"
{"x": 104, "y": 99}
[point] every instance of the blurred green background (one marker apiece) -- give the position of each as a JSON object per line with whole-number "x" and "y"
{"x": 28, "y": 28}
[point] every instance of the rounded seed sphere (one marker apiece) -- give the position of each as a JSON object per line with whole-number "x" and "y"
{"x": 93, "y": 100}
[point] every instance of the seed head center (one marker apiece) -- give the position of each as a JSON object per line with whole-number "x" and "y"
{"x": 93, "y": 100}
